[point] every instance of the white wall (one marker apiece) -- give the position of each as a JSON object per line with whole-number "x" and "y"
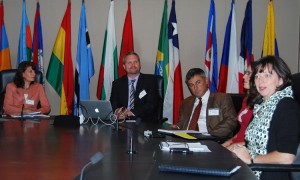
{"x": 146, "y": 15}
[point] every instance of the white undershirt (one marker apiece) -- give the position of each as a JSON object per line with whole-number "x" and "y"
{"x": 202, "y": 117}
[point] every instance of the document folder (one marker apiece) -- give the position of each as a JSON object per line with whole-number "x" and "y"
{"x": 188, "y": 134}
{"x": 195, "y": 170}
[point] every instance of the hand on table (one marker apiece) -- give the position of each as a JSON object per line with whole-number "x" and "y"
{"x": 241, "y": 152}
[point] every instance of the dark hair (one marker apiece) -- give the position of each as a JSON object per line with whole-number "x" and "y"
{"x": 249, "y": 95}
{"x": 279, "y": 66}
{"x": 130, "y": 53}
{"x": 192, "y": 72}
{"x": 18, "y": 79}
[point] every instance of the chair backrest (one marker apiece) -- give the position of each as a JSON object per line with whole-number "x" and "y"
{"x": 160, "y": 89}
{"x": 237, "y": 100}
{"x": 7, "y": 76}
{"x": 296, "y": 86}
{"x": 296, "y": 90}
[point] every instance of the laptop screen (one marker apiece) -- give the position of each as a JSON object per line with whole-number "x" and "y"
{"x": 96, "y": 109}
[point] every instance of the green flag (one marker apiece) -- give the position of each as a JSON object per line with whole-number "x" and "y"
{"x": 162, "y": 57}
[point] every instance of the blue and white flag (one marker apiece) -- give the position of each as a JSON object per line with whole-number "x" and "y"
{"x": 84, "y": 63}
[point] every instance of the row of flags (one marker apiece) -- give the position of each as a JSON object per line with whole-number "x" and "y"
{"x": 60, "y": 69}
{"x": 28, "y": 50}
{"x": 60, "y": 73}
{"x": 230, "y": 77}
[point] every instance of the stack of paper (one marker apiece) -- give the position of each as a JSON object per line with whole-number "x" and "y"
{"x": 184, "y": 146}
{"x": 30, "y": 115}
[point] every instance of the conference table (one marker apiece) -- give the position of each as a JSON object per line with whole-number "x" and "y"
{"x": 36, "y": 149}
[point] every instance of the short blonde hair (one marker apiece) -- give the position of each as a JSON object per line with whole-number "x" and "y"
{"x": 130, "y": 53}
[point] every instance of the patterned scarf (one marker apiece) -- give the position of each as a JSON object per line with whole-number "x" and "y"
{"x": 257, "y": 133}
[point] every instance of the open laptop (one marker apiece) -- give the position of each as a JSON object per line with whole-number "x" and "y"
{"x": 96, "y": 109}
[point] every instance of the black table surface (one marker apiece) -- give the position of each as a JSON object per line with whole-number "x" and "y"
{"x": 35, "y": 149}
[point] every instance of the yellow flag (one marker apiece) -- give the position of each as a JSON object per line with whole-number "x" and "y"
{"x": 270, "y": 44}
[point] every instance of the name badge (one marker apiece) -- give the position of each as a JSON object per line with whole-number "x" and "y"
{"x": 213, "y": 112}
{"x": 142, "y": 94}
{"x": 30, "y": 102}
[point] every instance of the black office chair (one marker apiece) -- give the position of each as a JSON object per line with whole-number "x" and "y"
{"x": 160, "y": 89}
{"x": 7, "y": 76}
{"x": 296, "y": 86}
{"x": 237, "y": 100}
{"x": 294, "y": 168}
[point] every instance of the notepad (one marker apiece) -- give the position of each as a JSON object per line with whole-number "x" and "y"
{"x": 181, "y": 133}
{"x": 196, "y": 170}
{"x": 188, "y": 134}
{"x": 184, "y": 135}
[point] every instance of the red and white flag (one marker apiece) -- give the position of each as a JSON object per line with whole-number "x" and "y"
{"x": 174, "y": 93}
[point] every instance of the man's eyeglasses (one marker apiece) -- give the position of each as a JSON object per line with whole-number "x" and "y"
{"x": 190, "y": 85}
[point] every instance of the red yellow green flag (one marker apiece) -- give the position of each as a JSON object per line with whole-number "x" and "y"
{"x": 60, "y": 69}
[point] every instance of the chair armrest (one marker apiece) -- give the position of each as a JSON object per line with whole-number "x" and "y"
{"x": 275, "y": 167}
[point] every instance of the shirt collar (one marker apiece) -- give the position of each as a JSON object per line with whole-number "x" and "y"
{"x": 205, "y": 96}
{"x": 136, "y": 79}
